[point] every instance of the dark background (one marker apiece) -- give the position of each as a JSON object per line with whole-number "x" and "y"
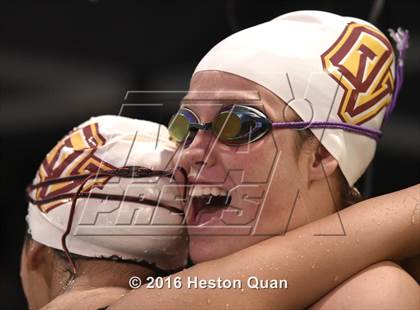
{"x": 64, "y": 61}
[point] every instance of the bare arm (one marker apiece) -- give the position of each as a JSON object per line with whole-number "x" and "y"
{"x": 382, "y": 228}
{"x": 384, "y": 286}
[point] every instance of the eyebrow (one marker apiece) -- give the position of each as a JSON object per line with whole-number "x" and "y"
{"x": 220, "y": 96}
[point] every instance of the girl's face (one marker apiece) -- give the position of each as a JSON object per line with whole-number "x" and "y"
{"x": 262, "y": 178}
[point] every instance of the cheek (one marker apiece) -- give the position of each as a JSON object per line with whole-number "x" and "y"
{"x": 277, "y": 164}
{"x": 278, "y": 201}
{"x": 252, "y": 163}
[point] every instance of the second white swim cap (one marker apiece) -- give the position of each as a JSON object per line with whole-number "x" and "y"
{"x": 111, "y": 217}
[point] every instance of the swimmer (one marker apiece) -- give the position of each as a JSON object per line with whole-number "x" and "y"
{"x": 113, "y": 173}
{"x": 259, "y": 77}
{"x": 299, "y": 101}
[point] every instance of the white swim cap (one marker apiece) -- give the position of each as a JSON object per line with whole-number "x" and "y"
{"x": 113, "y": 216}
{"x": 328, "y": 68}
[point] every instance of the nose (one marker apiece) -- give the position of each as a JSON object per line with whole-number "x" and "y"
{"x": 197, "y": 154}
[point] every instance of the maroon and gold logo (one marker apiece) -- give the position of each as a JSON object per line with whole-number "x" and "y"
{"x": 73, "y": 155}
{"x": 360, "y": 62}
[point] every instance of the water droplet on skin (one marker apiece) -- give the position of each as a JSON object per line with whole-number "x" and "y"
{"x": 146, "y": 251}
{"x": 416, "y": 214}
{"x": 68, "y": 285}
{"x": 313, "y": 266}
{"x": 242, "y": 289}
{"x": 227, "y": 305}
{"x": 335, "y": 278}
{"x": 208, "y": 301}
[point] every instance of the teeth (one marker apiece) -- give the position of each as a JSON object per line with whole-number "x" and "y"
{"x": 215, "y": 191}
{"x": 201, "y": 191}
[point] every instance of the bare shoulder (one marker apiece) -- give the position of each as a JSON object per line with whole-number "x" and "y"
{"x": 384, "y": 285}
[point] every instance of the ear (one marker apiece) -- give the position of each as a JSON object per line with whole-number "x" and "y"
{"x": 35, "y": 272}
{"x": 323, "y": 164}
{"x": 34, "y": 254}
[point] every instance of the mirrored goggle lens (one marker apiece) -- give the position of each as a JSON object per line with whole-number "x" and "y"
{"x": 178, "y": 127}
{"x": 237, "y": 126}
{"x": 227, "y": 126}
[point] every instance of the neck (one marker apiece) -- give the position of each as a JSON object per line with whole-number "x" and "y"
{"x": 323, "y": 198}
{"x": 96, "y": 273}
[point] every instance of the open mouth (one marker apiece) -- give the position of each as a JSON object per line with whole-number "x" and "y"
{"x": 208, "y": 203}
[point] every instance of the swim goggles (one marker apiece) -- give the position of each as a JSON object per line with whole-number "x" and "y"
{"x": 240, "y": 124}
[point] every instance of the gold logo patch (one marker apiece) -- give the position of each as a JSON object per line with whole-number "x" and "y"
{"x": 360, "y": 62}
{"x": 83, "y": 144}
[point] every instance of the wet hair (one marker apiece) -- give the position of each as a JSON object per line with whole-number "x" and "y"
{"x": 349, "y": 195}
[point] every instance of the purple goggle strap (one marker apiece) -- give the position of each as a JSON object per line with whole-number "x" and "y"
{"x": 401, "y": 38}
{"x": 371, "y": 133}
